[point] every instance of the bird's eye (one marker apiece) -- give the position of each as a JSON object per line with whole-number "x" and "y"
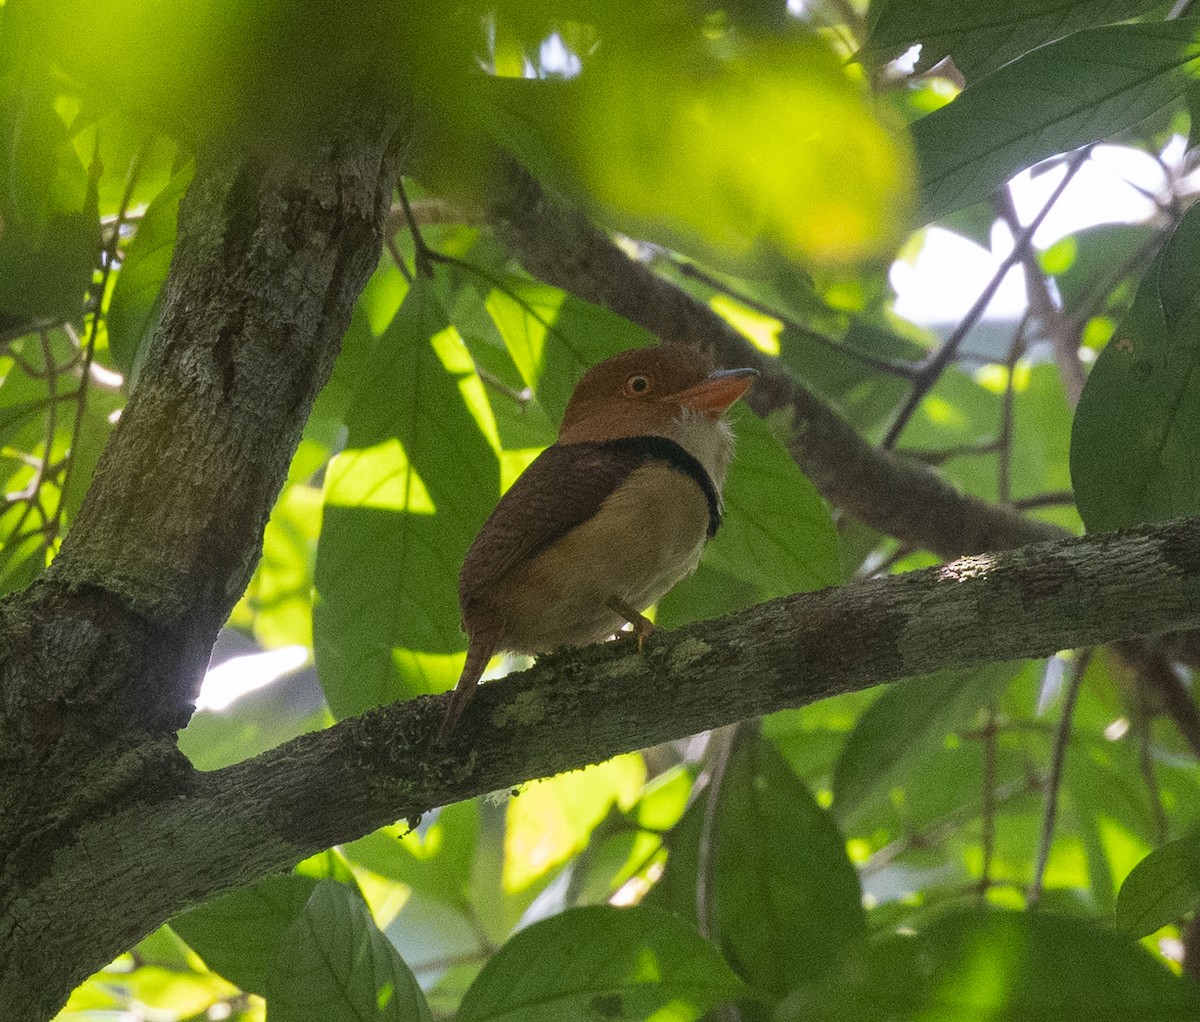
{"x": 637, "y": 385}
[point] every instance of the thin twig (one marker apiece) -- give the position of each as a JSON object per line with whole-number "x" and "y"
{"x": 1004, "y": 440}
{"x": 721, "y": 744}
{"x": 933, "y": 368}
{"x": 1052, "y": 499}
{"x": 720, "y": 748}
{"x": 389, "y": 239}
{"x": 1142, "y": 733}
{"x": 1065, "y": 335}
{"x": 423, "y": 255}
{"x": 51, "y": 428}
{"x": 520, "y": 397}
{"x": 939, "y": 831}
{"x": 940, "y": 455}
{"x": 89, "y": 347}
{"x": 1062, "y": 738}
{"x": 987, "y": 814}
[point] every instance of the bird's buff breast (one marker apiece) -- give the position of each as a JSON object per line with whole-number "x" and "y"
{"x": 646, "y": 537}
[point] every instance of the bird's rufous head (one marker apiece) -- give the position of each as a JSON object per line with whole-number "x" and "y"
{"x": 641, "y": 392}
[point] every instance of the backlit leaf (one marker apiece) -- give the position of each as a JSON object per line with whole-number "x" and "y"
{"x": 402, "y": 503}
{"x": 237, "y": 934}
{"x": 909, "y": 720}
{"x": 1163, "y": 888}
{"x": 657, "y": 139}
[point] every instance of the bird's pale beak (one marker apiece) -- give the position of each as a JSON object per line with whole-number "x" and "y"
{"x": 717, "y": 392}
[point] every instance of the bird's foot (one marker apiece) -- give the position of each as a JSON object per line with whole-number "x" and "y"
{"x": 640, "y": 625}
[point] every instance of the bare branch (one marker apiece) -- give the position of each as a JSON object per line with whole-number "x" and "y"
{"x": 570, "y": 709}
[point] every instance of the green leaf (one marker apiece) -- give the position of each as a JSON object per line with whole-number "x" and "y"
{"x": 1112, "y": 811}
{"x": 554, "y": 338}
{"x": 333, "y": 964}
{"x": 909, "y": 720}
{"x": 1162, "y": 889}
{"x": 1078, "y": 90}
{"x": 279, "y": 596}
{"x": 49, "y": 223}
{"x": 777, "y": 537}
{"x": 1041, "y": 967}
{"x": 1097, "y": 252}
{"x": 986, "y": 34}
{"x": 881, "y": 982}
{"x": 435, "y": 862}
{"x": 779, "y": 925}
{"x": 553, "y": 819}
{"x": 655, "y": 136}
{"x": 134, "y": 308}
{"x": 237, "y": 934}
{"x": 1002, "y": 967}
{"x": 1135, "y": 445}
{"x": 601, "y": 962}
{"x": 402, "y": 503}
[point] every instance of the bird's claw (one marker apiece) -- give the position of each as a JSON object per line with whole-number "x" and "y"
{"x": 640, "y": 626}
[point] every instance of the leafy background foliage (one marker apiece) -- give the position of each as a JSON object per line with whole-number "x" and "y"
{"x": 1015, "y": 842}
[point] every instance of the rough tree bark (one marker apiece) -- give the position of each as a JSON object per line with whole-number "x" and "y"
{"x": 101, "y": 658}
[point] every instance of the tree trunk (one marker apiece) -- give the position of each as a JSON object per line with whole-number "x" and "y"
{"x": 101, "y": 658}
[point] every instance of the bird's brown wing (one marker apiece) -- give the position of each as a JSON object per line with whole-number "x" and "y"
{"x": 564, "y": 487}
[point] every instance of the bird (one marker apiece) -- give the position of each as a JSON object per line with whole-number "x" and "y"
{"x": 607, "y": 518}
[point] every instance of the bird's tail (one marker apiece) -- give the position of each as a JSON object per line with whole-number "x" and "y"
{"x": 479, "y": 652}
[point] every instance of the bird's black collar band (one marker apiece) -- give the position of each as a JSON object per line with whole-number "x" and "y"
{"x": 658, "y": 448}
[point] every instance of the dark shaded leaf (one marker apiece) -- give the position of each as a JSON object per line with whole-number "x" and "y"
{"x": 1135, "y": 444}
{"x": 237, "y": 934}
{"x": 986, "y": 34}
{"x": 784, "y": 900}
{"x": 910, "y": 720}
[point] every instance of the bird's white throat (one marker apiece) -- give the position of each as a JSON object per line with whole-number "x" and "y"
{"x": 709, "y": 442}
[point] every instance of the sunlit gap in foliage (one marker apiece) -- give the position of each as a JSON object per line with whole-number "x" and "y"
{"x": 238, "y": 675}
{"x": 557, "y": 59}
{"x": 938, "y": 279}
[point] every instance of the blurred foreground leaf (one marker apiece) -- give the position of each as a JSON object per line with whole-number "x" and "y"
{"x": 661, "y": 140}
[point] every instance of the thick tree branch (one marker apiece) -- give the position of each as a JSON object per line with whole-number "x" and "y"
{"x": 889, "y": 492}
{"x": 573, "y": 708}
